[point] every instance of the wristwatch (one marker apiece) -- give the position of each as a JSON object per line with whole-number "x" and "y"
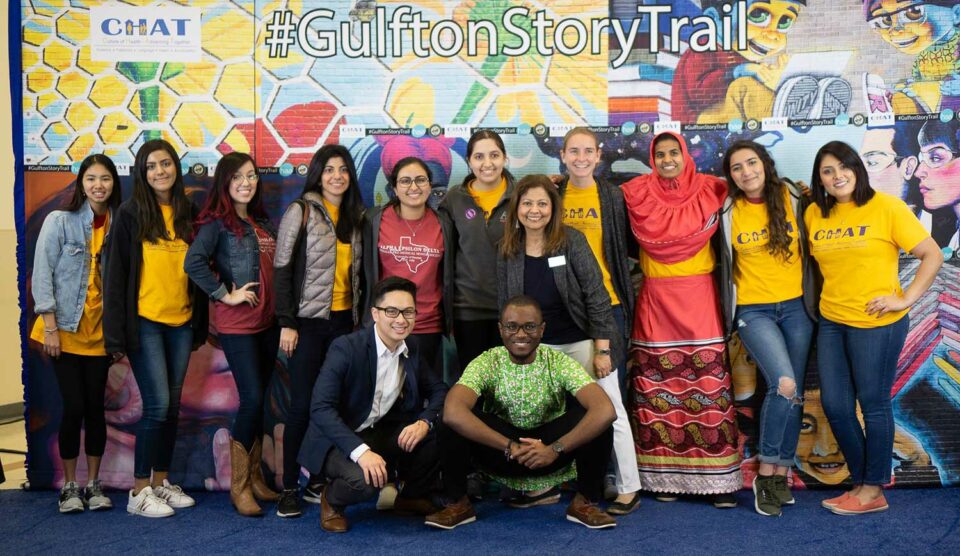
{"x": 557, "y": 447}
{"x": 602, "y": 352}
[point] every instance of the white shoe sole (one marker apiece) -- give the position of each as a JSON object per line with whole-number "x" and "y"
{"x": 447, "y": 528}
{"x": 134, "y": 511}
{"x": 575, "y": 520}
{"x": 101, "y": 507}
{"x": 71, "y": 509}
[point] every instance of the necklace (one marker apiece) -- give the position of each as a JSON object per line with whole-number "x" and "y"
{"x": 420, "y": 221}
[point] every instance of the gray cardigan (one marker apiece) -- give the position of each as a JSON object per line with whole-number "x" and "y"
{"x": 580, "y": 284}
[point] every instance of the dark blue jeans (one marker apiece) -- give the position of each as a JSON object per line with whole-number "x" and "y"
{"x": 777, "y": 336}
{"x": 251, "y": 358}
{"x": 159, "y": 367}
{"x": 859, "y": 365}
{"x": 315, "y": 338}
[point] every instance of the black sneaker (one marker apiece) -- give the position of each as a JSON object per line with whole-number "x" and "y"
{"x": 289, "y": 503}
{"x": 94, "y": 497}
{"x": 724, "y": 501}
{"x": 475, "y": 486}
{"x": 70, "y": 500}
{"x": 312, "y": 492}
{"x": 523, "y": 500}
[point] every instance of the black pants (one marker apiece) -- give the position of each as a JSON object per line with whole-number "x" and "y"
{"x": 473, "y": 337}
{"x": 304, "y": 366}
{"x": 419, "y": 469}
{"x": 591, "y": 458}
{"x": 252, "y": 358}
{"x": 82, "y": 379}
{"x": 431, "y": 350}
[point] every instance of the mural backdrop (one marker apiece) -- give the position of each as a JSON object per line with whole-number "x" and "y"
{"x": 391, "y": 79}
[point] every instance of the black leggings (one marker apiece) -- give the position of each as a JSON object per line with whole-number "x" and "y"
{"x": 82, "y": 379}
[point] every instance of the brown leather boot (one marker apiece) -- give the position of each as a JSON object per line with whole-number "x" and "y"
{"x": 240, "y": 494}
{"x": 261, "y": 490}
{"x": 457, "y": 513}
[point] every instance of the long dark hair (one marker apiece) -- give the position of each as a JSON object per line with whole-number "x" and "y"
{"x": 79, "y": 197}
{"x": 862, "y": 192}
{"x": 351, "y": 207}
{"x": 773, "y": 196}
{"x": 219, "y": 204}
{"x": 514, "y": 234}
{"x": 400, "y": 165}
{"x": 478, "y": 136}
{"x": 149, "y": 216}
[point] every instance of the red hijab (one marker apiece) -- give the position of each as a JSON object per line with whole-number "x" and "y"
{"x": 673, "y": 219}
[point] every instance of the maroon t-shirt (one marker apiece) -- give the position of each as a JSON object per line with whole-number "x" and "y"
{"x": 244, "y": 319}
{"x": 413, "y": 249}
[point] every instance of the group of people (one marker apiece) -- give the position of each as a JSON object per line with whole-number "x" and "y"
{"x": 560, "y": 361}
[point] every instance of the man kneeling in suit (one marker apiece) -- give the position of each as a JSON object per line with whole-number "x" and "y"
{"x": 372, "y": 413}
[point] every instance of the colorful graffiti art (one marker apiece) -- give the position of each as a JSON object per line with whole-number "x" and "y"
{"x": 390, "y": 79}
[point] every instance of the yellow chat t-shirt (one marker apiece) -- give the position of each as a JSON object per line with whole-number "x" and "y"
{"x": 164, "y": 293}
{"x": 88, "y": 339}
{"x": 487, "y": 200}
{"x": 342, "y": 286}
{"x": 581, "y": 210}
{"x": 858, "y": 251}
{"x": 760, "y": 276}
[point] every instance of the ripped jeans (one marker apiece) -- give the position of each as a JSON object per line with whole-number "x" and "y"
{"x": 777, "y": 336}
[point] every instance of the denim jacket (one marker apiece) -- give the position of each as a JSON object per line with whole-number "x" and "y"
{"x": 61, "y": 265}
{"x": 235, "y": 259}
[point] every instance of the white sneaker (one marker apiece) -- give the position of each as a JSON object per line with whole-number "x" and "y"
{"x": 94, "y": 497}
{"x": 173, "y": 496}
{"x": 147, "y": 504}
{"x": 70, "y": 501}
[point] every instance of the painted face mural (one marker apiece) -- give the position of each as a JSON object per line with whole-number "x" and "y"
{"x": 910, "y": 26}
{"x": 767, "y": 26}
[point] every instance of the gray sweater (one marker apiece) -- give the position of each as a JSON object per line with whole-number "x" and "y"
{"x": 580, "y": 284}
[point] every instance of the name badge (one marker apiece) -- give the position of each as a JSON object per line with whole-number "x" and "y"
{"x": 559, "y": 260}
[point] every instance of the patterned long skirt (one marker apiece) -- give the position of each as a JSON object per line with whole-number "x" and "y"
{"x": 681, "y": 398}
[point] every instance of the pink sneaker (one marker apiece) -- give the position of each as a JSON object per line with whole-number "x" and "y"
{"x": 853, "y": 506}
{"x": 831, "y": 503}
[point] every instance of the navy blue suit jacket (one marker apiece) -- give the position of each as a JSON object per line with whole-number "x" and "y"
{"x": 343, "y": 395}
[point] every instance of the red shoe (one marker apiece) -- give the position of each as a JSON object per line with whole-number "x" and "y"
{"x": 853, "y": 506}
{"x": 831, "y": 503}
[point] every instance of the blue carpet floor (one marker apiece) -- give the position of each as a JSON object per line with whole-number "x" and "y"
{"x": 919, "y": 522}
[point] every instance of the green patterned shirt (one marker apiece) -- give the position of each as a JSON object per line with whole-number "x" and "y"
{"x": 526, "y": 396}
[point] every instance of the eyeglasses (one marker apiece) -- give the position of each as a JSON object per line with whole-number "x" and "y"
{"x": 392, "y": 312}
{"x": 419, "y": 180}
{"x": 937, "y": 157}
{"x": 528, "y": 327}
{"x": 915, "y": 14}
{"x": 878, "y": 161}
{"x": 239, "y": 178}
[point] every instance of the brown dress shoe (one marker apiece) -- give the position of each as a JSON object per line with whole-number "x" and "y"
{"x": 261, "y": 490}
{"x": 458, "y": 513}
{"x": 589, "y": 515}
{"x": 240, "y": 494}
{"x": 414, "y": 506}
{"x": 331, "y": 520}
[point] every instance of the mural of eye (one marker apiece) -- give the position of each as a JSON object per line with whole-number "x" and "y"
{"x": 759, "y": 17}
{"x": 785, "y": 23}
{"x": 808, "y": 425}
{"x": 914, "y": 14}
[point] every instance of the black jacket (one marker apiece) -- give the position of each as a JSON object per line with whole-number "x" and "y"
{"x": 343, "y": 395}
{"x": 121, "y": 286}
{"x": 618, "y": 246}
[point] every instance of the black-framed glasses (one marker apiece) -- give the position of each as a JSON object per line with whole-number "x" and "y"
{"x": 392, "y": 312}
{"x": 421, "y": 181}
{"x": 528, "y": 327}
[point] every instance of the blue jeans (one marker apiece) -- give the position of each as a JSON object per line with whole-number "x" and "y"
{"x": 159, "y": 367}
{"x": 859, "y": 365}
{"x": 777, "y": 336}
{"x": 251, "y": 358}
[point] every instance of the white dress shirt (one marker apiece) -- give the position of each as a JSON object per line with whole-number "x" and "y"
{"x": 387, "y": 389}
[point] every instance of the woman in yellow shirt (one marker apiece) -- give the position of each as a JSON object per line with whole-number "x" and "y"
{"x": 856, "y": 235}
{"x": 317, "y": 270}
{"x": 763, "y": 264}
{"x": 154, "y": 316}
{"x": 68, "y": 300}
